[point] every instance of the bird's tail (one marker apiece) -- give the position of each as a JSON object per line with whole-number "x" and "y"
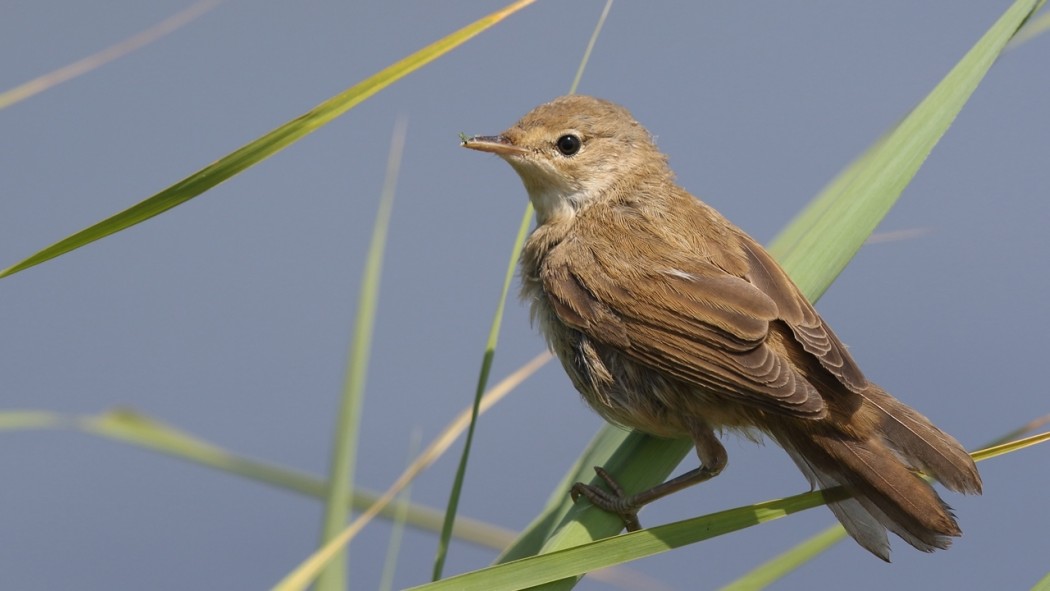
{"x": 878, "y": 471}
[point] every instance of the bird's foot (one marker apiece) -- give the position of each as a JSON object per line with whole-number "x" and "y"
{"x": 614, "y": 501}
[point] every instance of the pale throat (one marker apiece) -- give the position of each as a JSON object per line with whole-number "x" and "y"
{"x": 553, "y": 205}
{"x": 551, "y": 195}
{"x": 556, "y": 198}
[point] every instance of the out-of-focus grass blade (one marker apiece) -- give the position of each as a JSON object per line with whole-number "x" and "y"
{"x": 493, "y": 338}
{"x": 772, "y": 570}
{"x": 834, "y": 229}
{"x": 1020, "y": 431}
{"x": 1032, "y": 29}
{"x": 590, "y": 47}
{"x": 1043, "y": 584}
{"x": 483, "y": 377}
{"x": 15, "y": 420}
{"x": 897, "y": 235}
{"x": 348, "y": 422}
{"x": 141, "y": 431}
{"x": 308, "y": 569}
{"x": 96, "y": 60}
{"x": 265, "y": 146}
{"x": 386, "y": 582}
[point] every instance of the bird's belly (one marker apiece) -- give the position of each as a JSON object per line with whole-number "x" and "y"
{"x": 628, "y": 393}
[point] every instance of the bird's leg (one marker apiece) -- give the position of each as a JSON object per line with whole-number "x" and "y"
{"x": 713, "y": 459}
{"x": 627, "y": 506}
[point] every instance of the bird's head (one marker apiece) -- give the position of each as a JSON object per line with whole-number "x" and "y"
{"x": 573, "y": 151}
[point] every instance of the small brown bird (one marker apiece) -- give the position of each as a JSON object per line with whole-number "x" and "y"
{"x": 671, "y": 320}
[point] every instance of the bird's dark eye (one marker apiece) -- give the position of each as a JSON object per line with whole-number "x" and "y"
{"x": 568, "y": 144}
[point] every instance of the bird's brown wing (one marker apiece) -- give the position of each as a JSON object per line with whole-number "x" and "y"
{"x": 700, "y": 325}
{"x": 792, "y": 307}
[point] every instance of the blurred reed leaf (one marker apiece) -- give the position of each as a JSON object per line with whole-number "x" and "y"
{"x": 1033, "y": 28}
{"x": 308, "y": 569}
{"x": 101, "y": 58}
{"x": 386, "y": 582}
{"x": 136, "y": 429}
{"x": 348, "y": 422}
{"x": 486, "y": 367}
{"x": 774, "y": 569}
{"x": 17, "y": 420}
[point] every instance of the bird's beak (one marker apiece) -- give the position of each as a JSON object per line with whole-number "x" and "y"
{"x": 497, "y": 144}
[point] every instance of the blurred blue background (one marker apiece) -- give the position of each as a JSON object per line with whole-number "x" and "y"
{"x": 230, "y": 316}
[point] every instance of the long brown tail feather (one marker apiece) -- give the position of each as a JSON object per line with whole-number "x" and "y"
{"x": 878, "y": 472}
{"x": 858, "y": 521}
{"x": 923, "y": 446}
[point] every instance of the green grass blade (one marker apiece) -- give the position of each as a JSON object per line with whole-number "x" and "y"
{"x": 1043, "y": 584}
{"x": 493, "y": 338}
{"x": 483, "y": 378}
{"x": 386, "y": 582}
{"x": 129, "y": 427}
{"x": 835, "y": 228}
{"x": 590, "y": 47}
{"x": 813, "y": 215}
{"x": 265, "y": 146}
{"x": 18, "y": 420}
{"x": 1009, "y": 447}
{"x": 554, "y": 515}
{"x": 565, "y": 524}
{"x": 1033, "y": 28}
{"x": 775, "y": 568}
{"x": 344, "y": 440}
{"x": 558, "y": 565}
{"x": 307, "y": 570}
{"x": 142, "y": 431}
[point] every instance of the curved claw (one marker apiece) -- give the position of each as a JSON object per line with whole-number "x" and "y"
{"x": 609, "y": 480}
{"x": 616, "y": 501}
{"x": 627, "y": 506}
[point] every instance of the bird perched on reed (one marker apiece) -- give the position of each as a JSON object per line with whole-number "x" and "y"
{"x": 671, "y": 320}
